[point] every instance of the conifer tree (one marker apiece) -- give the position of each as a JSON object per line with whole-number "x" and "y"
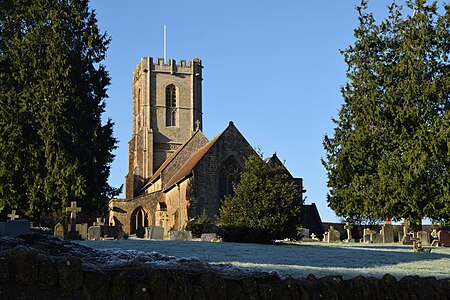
{"x": 265, "y": 205}
{"x": 54, "y": 146}
{"x": 389, "y": 155}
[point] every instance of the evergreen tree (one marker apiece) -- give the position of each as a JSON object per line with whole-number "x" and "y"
{"x": 265, "y": 205}
{"x": 54, "y": 146}
{"x": 389, "y": 156}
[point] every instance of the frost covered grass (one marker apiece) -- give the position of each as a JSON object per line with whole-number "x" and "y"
{"x": 300, "y": 260}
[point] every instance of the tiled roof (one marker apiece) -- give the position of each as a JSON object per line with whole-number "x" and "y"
{"x": 166, "y": 163}
{"x": 186, "y": 169}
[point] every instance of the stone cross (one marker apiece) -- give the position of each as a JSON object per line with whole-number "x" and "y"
{"x": 73, "y": 209}
{"x": 12, "y": 216}
{"x": 99, "y": 222}
{"x": 348, "y": 227}
{"x": 405, "y": 227}
{"x": 313, "y": 236}
{"x": 197, "y": 125}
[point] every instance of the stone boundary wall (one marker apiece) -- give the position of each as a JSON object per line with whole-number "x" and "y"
{"x": 29, "y": 274}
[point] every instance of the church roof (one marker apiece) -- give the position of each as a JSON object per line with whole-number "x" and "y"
{"x": 171, "y": 157}
{"x": 190, "y": 164}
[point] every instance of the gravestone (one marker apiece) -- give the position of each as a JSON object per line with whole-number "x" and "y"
{"x": 400, "y": 236}
{"x": 154, "y": 233}
{"x": 94, "y": 233}
{"x": 444, "y": 238}
{"x": 333, "y": 236}
{"x": 59, "y": 230}
{"x": 314, "y": 238}
{"x": 72, "y": 233}
{"x": 349, "y": 227}
{"x": 208, "y": 237}
{"x": 14, "y": 227}
{"x": 387, "y": 233}
{"x": 406, "y": 240}
{"x": 82, "y": 229}
{"x": 424, "y": 238}
{"x": 180, "y": 235}
{"x": 377, "y": 238}
{"x": 435, "y": 241}
{"x": 368, "y": 235}
{"x": 303, "y": 233}
{"x": 99, "y": 222}
{"x": 12, "y": 216}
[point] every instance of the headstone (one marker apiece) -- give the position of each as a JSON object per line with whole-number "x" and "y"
{"x": 444, "y": 238}
{"x": 333, "y": 236}
{"x": 209, "y": 237}
{"x": 94, "y": 233}
{"x": 424, "y": 238}
{"x": 387, "y": 233}
{"x": 435, "y": 241}
{"x": 154, "y": 233}
{"x": 180, "y": 235}
{"x": 368, "y": 235}
{"x": 99, "y": 222}
{"x": 400, "y": 236}
{"x": 377, "y": 238}
{"x": 303, "y": 233}
{"x": 349, "y": 227}
{"x": 72, "y": 233}
{"x": 59, "y": 230}
{"x": 406, "y": 240}
{"x": 12, "y": 216}
{"x": 313, "y": 237}
{"x": 82, "y": 229}
{"x": 14, "y": 227}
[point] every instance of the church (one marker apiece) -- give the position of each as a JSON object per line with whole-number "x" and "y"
{"x": 174, "y": 172}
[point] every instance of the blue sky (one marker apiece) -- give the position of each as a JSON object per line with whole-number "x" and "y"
{"x": 273, "y": 68}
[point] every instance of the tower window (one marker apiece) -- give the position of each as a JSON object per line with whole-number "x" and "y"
{"x": 171, "y": 105}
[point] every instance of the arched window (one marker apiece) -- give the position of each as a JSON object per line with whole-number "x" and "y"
{"x": 229, "y": 173}
{"x": 171, "y": 105}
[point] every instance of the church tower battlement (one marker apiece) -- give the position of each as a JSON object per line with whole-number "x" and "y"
{"x": 167, "y": 110}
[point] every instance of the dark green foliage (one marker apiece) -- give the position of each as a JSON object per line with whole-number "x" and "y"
{"x": 265, "y": 206}
{"x": 389, "y": 155}
{"x": 202, "y": 224}
{"x": 55, "y": 148}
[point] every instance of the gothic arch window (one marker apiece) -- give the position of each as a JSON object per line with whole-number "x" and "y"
{"x": 171, "y": 105}
{"x": 229, "y": 173}
{"x": 138, "y": 222}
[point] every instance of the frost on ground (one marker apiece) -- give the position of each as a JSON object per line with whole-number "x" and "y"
{"x": 298, "y": 260}
{"x": 118, "y": 259}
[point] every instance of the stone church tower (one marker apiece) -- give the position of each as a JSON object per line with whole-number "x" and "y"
{"x": 167, "y": 110}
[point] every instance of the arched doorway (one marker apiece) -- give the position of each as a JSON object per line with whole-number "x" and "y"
{"x": 138, "y": 222}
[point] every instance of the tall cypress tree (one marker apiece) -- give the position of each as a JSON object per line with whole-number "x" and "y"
{"x": 389, "y": 155}
{"x": 54, "y": 146}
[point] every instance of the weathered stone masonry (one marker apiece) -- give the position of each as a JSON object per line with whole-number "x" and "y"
{"x": 37, "y": 268}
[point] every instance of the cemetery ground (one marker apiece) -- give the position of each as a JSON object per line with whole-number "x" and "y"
{"x": 301, "y": 259}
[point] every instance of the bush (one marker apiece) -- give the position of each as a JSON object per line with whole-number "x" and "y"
{"x": 199, "y": 225}
{"x": 265, "y": 206}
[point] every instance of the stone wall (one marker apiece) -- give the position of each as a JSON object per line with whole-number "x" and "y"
{"x": 205, "y": 195}
{"x": 28, "y": 274}
{"x": 121, "y": 210}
